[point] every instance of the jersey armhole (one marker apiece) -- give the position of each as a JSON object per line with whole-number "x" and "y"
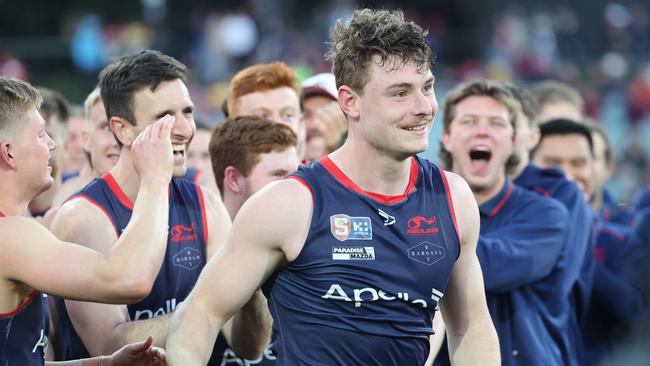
{"x": 451, "y": 203}
{"x": 95, "y": 203}
{"x": 21, "y": 306}
{"x": 204, "y": 218}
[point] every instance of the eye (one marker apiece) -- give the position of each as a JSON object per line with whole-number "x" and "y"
{"x": 400, "y": 93}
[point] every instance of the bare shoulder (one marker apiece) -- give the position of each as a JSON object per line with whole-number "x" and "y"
{"x": 281, "y": 213}
{"x": 81, "y": 221}
{"x": 20, "y": 234}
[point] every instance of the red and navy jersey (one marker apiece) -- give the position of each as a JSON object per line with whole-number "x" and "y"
{"x": 373, "y": 268}
{"x": 184, "y": 258}
{"x": 23, "y": 332}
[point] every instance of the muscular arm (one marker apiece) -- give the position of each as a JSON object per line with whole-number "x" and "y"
{"x": 102, "y": 328}
{"x": 248, "y": 332}
{"x": 471, "y": 334}
{"x": 261, "y": 240}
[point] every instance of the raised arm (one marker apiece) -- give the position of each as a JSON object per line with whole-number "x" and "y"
{"x": 266, "y": 233}
{"x": 126, "y": 273}
{"x": 471, "y": 335}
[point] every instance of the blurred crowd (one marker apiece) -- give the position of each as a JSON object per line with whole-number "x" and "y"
{"x": 605, "y": 58}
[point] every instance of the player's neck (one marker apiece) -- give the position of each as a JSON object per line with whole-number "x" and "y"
{"x": 10, "y": 205}
{"x": 372, "y": 170}
{"x": 233, "y": 203}
{"x": 126, "y": 176}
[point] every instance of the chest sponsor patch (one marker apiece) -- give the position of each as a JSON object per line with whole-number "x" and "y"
{"x": 344, "y": 227}
{"x": 353, "y": 253}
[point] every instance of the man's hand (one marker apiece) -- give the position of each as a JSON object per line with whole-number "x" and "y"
{"x": 152, "y": 151}
{"x": 141, "y": 354}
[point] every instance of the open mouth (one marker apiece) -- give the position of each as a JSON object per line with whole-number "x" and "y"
{"x": 480, "y": 157}
{"x": 179, "y": 152}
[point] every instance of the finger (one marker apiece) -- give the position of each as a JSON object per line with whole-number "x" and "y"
{"x": 138, "y": 347}
{"x": 161, "y": 124}
{"x": 166, "y": 127}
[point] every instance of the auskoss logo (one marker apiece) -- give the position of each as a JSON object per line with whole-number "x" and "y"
{"x": 367, "y": 294}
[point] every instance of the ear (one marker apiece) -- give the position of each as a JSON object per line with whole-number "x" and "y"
{"x": 84, "y": 139}
{"x": 535, "y": 136}
{"x": 349, "y": 102}
{"x": 6, "y": 155}
{"x": 123, "y": 130}
{"x": 445, "y": 140}
{"x": 233, "y": 179}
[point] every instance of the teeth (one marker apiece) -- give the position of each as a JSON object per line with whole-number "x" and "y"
{"x": 178, "y": 147}
{"x": 417, "y": 128}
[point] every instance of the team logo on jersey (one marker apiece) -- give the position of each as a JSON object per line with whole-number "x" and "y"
{"x": 426, "y": 253}
{"x": 420, "y": 225}
{"x": 388, "y": 219}
{"x": 188, "y": 258}
{"x": 353, "y": 253}
{"x": 181, "y": 233}
{"x": 345, "y": 227}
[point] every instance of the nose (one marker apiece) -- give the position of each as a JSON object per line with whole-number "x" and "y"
{"x": 51, "y": 144}
{"x": 424, "y": 104}
{"x": 183, "y": 127}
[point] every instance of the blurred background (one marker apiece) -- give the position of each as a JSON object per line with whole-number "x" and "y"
{"x": 600, "y": 47}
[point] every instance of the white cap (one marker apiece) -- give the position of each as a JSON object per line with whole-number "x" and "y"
{"x": 320, "y": 84}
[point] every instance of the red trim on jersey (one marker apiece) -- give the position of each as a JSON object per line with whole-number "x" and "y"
{"x": 385, "y": 199}
{"x": 451, "y": 201}
{"x": 196, "y": 176}
{"x": 80, "y": 195}
{"x": 2, "y": 214}
{"x": 119, "y": 193}
{"x": 499, "y": 205}
{"x": 204, "y": 216}
{"x": 304, "y": 183}
{"x": 22, "y": 305}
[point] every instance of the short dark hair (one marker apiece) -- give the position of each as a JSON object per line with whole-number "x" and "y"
{"x": 563, "y": 126}
{"x": 480, "y": 87}
{"x": 371, "y": 33}
{"x": 16, "y": 98}
{"x": 120, "y": 80}
{"x": 598, "y": 129}
{"x": 239, "y": 141}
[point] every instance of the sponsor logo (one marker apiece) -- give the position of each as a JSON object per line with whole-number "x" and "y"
{"x": 180, "y": 232}
{"x": 426, "y": 253}
{"x": 358, "y": 296}
{"x": 170, "y": 306}
{"x": 345, "y": 227}
{"x": 420, "y": 225}
{"x": 42, "y": 342}
{"x": 353, "y": 253}
{"x": 388, "y": 219}
{"x": 231, "y": 358}
{"x": 188, "y": 258}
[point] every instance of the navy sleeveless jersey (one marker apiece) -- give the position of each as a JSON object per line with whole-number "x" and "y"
{"x": 364, "y": 288}
{"x": 184, "y": 258}
{"x": 24, "y": 332}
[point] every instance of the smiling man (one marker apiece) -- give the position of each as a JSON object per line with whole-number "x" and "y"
{"x": 137, "y": 90}
{"x": 522, "y": 233}
{"x": 347, "y": 283}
